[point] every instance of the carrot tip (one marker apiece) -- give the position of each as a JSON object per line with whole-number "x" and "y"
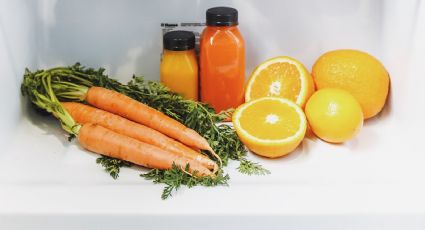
{"x": 195, "y": 174}
{"x": 217, "y": 157}
{"x": 215, "y": 169}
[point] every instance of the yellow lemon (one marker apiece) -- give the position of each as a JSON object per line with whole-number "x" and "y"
{"x": 282, "y": 77}
{"x": 334, "y": 115}
{"x": 357, "y": 72}
{"x": 270, "y": 126}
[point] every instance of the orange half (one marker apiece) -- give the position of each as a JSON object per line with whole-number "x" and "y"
{"x": 282, "y": 77}
{"x": 270, "y": 126}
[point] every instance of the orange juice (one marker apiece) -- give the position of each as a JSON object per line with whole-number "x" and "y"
{"x": 179, "y": 68}
{"x": 222, "y": 60}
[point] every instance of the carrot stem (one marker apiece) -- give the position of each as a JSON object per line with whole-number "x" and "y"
{"x": 42, "y": 94}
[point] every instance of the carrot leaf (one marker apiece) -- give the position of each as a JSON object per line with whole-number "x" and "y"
{"x": 176, "y": 177}
{"x": 112, "y": 165}
{"x": 252, "y": 168}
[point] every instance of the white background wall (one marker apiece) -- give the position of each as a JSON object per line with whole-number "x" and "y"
{"x": 125, "y": 37}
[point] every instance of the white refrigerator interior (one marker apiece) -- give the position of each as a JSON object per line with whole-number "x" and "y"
{"x": 375, "y": 181}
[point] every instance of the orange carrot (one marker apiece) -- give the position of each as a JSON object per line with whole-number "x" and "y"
{"x": 83, "y": 114}
{"x": 107, "y": 142}
{"x": 131, "y": 109}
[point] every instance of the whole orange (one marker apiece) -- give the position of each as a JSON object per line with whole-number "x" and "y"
{"x": 334, "y": 115}
{"x": 357, "y": 72}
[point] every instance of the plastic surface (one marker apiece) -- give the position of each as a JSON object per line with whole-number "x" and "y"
{"x": 222, "y": 67}
{"x": 179, "y": 40}
{"x": 375, "y": 181}
{"x": 222, "y": 16}
{"x": 179, "y": 72}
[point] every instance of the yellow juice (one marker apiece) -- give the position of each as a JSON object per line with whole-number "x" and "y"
{"x": 179, "y": 72}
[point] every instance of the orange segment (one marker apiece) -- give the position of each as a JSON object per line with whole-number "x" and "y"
{"x": 270, "y": 126}
{"x": 282, "y": 77}
{"x": 270, "y": 121}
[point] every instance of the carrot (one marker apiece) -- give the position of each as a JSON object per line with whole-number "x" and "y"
{"x": 101, "y": 140}
{"x": 83, "y": 114}
{"x": 228, "y": 119}
{"x": 131, "y": 109}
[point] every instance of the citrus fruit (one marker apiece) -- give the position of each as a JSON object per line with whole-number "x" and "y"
{"x": 357, "y": 72}
{"x": 270, "y": 126}
{"x": 282, "y": 77}
{"x": 334, "y": 115}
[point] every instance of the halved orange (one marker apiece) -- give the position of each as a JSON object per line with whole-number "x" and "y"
{"x": 270, "y": 126}
{"x": 282, "y": 77}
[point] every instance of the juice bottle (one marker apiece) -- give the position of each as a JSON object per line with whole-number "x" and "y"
{"x": 179, "y": 68}
{"x": 222, "y": 60}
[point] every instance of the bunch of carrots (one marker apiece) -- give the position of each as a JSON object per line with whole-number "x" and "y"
{"x": 140, "y": 123}
{"x": 115, "y": 125}
{"x": 123, "y": 128}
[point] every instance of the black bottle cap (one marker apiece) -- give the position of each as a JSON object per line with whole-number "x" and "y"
{"x": 179, "y": 40}
{"x": 222, "y": 16}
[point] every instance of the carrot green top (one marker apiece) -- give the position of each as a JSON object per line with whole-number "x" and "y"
{"x": 38, "y": 87}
